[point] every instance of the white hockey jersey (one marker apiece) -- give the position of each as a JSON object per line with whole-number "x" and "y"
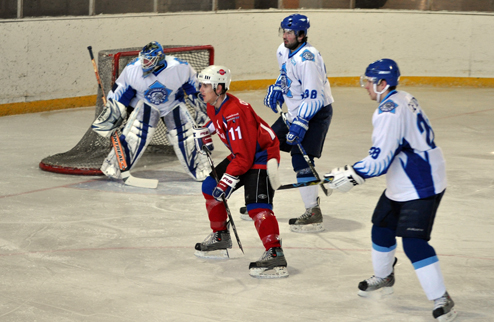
{"x": 303, "y": 80}
{"x": 403, "y": 147}
{"x": 162, "y": 89}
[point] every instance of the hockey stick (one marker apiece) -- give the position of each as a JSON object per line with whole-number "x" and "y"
{"x": 128, "y": 179}
{"x": 305, "y": 184}
{"x": 215, "y": 175}
{"x": 306, "y": 157}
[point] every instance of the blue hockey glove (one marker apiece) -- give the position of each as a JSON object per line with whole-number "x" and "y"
{"x": 225, "y": 187}
{"x": 297, "y": 131}
{"x": 274, "y": 97}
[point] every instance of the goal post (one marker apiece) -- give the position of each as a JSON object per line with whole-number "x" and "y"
{"x": 86, "y": 157}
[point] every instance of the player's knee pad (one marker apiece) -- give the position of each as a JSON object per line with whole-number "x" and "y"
{"x": 181, "y": 136}
{"x": 136, "y": 136}
{"x": 417, "y": 249}
{"x": 208, "y": 186}
{"x": 383, "y": 237}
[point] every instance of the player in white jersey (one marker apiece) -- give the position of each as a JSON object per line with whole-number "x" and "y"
{"x": 304, "y": 87}
{"x": 161, "y": 82}
{"x": 403, "y": 148}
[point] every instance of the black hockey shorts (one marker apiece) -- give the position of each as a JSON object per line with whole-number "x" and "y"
{"x": 410, "y": 219}
{"x": 313, "y": 141}
{"x": 255, "y": 182}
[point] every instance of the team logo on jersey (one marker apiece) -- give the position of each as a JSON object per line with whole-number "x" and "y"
{"x": 413, "y": 104}
{"x": 285, "y": 82}
{"x": 157, "y": 93}
{"x": 307, "y": 55}
{"x": 388, "y": 106}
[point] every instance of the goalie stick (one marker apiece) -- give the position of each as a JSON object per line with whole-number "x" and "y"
{"x": 127, "y": 178}
{"x": 306, "y": 157}
{"x": 230, "y": 219}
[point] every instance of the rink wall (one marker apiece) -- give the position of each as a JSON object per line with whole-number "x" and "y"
{"x": 46, "y": 64}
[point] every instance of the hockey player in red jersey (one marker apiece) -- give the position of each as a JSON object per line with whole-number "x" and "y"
{"x": 253, "y": 164}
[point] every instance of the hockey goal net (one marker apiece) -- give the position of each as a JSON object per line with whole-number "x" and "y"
{"x": 86, "y": 157}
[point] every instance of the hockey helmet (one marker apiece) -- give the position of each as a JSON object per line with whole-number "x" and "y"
{"x": 295, "y": 22}
{"x": 152, "y": 57}
{"x": 215, "y": 75}
{"x": 385, "y": 68}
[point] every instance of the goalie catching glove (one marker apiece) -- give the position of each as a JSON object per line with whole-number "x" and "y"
{"x": 202, "y": 138}
{"x": 111, "y": 118}
{"x": 343, "y": 178}
{"x": 225, "y": 187}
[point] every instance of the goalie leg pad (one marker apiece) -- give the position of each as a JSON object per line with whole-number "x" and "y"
{"x": 181, "y": 136}
{"x": 136, "y": 136}
{"x": 110, "y": 118}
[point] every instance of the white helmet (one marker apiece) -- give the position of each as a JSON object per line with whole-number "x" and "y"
{"x": 215, "y": 75}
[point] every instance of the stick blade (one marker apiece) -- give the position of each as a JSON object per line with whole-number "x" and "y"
{"x": 130, "y": 180}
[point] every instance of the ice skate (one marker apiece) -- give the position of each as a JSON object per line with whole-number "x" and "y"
{"x": 309, "y": 222}
{"x": 272, "y": 264}
{"x": 367, "y": 287}
{"x": 215, "y": 246}
{"x": 444, "y": 309}
{"x": 244, "y": 215}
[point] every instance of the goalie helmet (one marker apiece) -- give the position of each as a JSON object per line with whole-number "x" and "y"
{"x": 386, "y": 69}
{"x": 152, "y": 57}
{"x": 215, "y": 75}
{"x": 296, "y": 23}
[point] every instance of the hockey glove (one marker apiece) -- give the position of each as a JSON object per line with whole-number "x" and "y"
{"x": 344, "y": 178}
{"x": 274, "y": 97}
{"x": 225, "y": 187}
{"x": 297, "y": 131}
{"x": 202, "y": 137}
{"x": 110, "y": 118}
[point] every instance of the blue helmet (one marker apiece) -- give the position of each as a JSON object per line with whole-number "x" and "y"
{"x": 296, "y": 23}
{"x": 152, "y": 57}
{"x": 386, "y": 69}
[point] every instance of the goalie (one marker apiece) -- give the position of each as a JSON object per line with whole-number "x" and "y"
{"x": 156, "y": 86}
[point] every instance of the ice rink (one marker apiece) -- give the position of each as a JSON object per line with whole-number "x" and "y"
{"x": 84, "y": 248}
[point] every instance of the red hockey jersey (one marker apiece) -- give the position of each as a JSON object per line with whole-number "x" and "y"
{"x": 250, "y": 139}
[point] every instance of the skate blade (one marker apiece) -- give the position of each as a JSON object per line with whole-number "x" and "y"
{"x": 377, "y": 294}
{"x": 310, "y": 228}
{"x": 448, "y": 317}
{"x": 262, "y": 272}
{"x": 246, "y": 217}
{"x": 213, "y": 254}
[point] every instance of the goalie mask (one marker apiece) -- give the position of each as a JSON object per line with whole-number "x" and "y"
{"x": 152, "y": 57}
{"x": 215, "y": 75}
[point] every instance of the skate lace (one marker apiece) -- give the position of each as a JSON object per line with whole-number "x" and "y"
{"x": 373, "y": 281}
{"x": 306, "y": 214}
{"x": 440, "y": 302}
{"x": 211, "y": 239}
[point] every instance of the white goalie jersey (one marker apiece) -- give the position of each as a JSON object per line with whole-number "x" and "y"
{"x": 163, "y": 89}
{"x": 403, "y": 148}
{"x": 303, "y": 81}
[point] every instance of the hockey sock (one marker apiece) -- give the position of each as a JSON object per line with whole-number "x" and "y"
{"x": 267, "y": 227}
{"x": 383, "y": 251}
{"x": 426, "y": 265}
{"x": 216, "y": 209}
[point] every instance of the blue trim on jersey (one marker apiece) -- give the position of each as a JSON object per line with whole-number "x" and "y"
{"x": 190, "y": 87}
{"x": 383, "y": 249}
{"x": 126, "y": 95}
{"x": 291, "y": 54}
{"x": 425, "y": 262}
{"x": 253, "y": 206}
{"x": 156, "y": 72}
{"x": 419, "y": 171}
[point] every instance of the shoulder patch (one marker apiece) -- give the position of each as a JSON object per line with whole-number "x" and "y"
{"x": 307, "y": 55}
{"x": 388, "y": 106}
